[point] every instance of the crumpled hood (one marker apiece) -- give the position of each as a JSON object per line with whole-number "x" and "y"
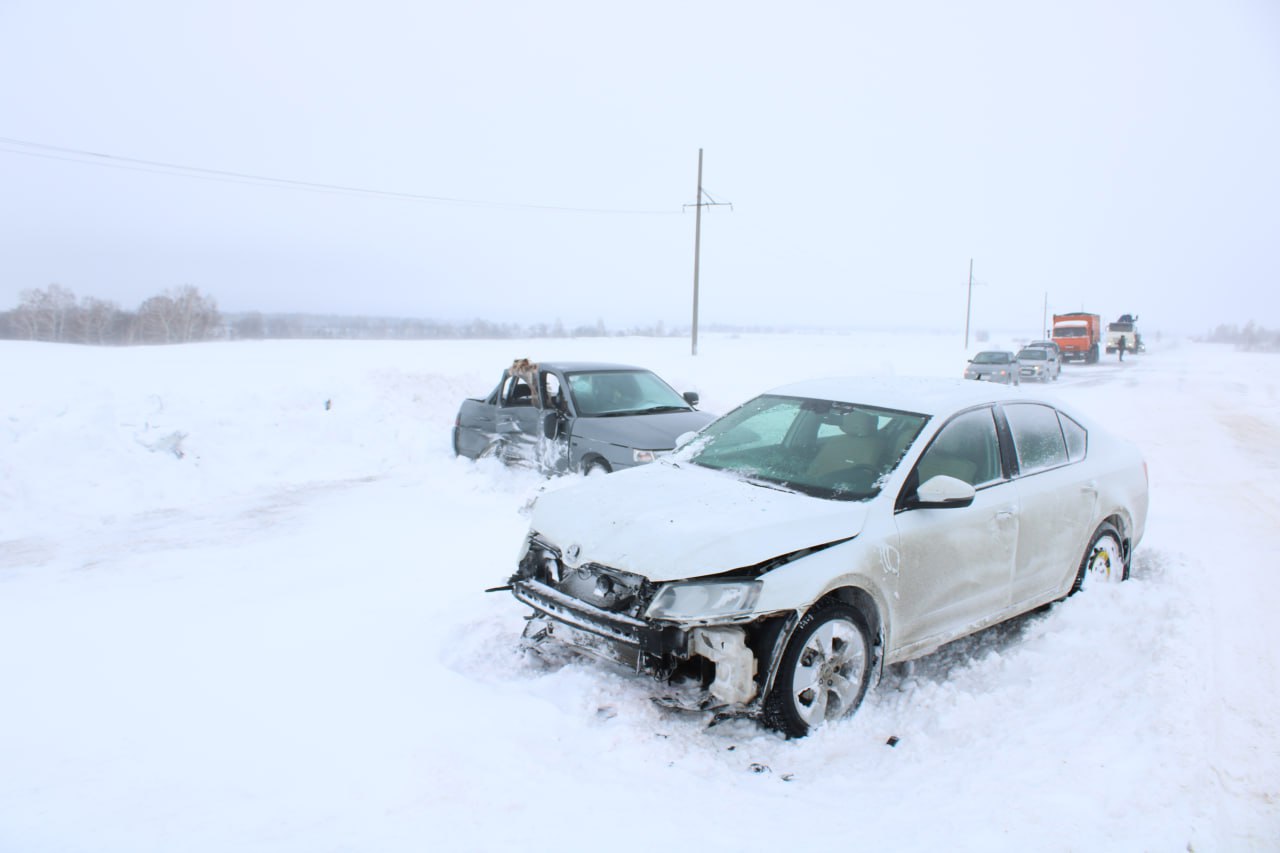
{"x": 657, "y": 431}
{"x": 667, "y": 523}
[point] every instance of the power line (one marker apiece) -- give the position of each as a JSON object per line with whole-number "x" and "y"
{"x": 75, "y": 155}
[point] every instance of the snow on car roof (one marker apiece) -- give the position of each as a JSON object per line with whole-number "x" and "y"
{"x": 924, "y": 395}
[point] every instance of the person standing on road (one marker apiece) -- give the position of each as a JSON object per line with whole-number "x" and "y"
{"x": 1122, "y": 345}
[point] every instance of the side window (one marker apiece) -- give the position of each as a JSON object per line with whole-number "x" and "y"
{"x": 1037, "y": 436}
{"x": 967, "y": 448}
{"x": 516, "y": 392}
{"x": 1077, "y": 438}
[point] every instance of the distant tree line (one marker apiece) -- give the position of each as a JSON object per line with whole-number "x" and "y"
{"x": 1250, "y": 337}
{"x": 256, "y": 325}
{"x": 185, "y": 314}
{"x": 179, "y": 315}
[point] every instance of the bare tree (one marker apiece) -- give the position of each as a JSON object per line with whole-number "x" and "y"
{"x": 100, "y": 322}
{"x": 196, "y": 314}
{"x": 46, "y": 315}
{"x": 155, "y": 324}
{"x": 178, "y": 316}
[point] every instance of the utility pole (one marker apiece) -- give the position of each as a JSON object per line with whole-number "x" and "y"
{"x": 1044, "y": 316}
{"x": 968, "y": 306}
{"x": 697, "y": 244}
{"x": 697, "y": 253}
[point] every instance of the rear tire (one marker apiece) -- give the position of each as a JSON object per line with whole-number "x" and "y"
{"x": 823, "y": 673}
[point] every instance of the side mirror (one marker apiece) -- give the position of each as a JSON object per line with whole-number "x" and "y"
{"x": 691, "y": 397}
{"x": 550, "y": 424}
{"x": 943, "y": 492}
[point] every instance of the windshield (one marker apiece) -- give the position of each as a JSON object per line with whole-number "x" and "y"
{"x": 1032, "y": 354}
{"x": 822, "y": 448}
{"x": 1070, "y": 332}
{"x": 992, "y": 358}
{"x": 622, "y": 392}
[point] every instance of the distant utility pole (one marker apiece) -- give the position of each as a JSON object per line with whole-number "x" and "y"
{"x": 968, "y": 306}
{"x": 697, "y": 244}
{"x": 1044, "y": 316}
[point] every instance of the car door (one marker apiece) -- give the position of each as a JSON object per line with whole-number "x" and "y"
{"x": 554, "y": 453}
{"x": 1056, "y": 495}
{"x": 955, "y": 563}
{"x": 517, "y": 422}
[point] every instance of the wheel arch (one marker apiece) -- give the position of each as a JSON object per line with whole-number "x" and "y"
{"x": 591, "y": 458}
{"x": 1124, "y": 526}
{"x": 871, "y": 612}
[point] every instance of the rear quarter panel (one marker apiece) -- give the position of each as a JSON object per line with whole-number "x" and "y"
{"x": 475, "y": 430}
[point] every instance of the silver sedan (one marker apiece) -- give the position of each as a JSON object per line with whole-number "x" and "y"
{"x": 993, "y": 366}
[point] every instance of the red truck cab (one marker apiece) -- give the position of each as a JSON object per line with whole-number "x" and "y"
{"x": 1078, "y": 335}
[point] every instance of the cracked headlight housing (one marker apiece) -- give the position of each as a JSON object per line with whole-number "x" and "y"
{"x": 698, "y": 600}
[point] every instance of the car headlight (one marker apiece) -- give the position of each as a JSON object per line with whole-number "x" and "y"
{"x": 704, "y": 600}
{"x": 639, "y": 456}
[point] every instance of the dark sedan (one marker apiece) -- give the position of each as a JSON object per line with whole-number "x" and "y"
{"x": 576, "y": 416}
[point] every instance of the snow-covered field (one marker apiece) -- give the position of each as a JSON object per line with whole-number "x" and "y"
{"x": 242, "y": 608}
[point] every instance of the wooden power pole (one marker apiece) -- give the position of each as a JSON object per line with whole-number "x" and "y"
{"x": 968, "y": 306}
{"x": 697, "y": 245}
{"x": 697, "y": 252}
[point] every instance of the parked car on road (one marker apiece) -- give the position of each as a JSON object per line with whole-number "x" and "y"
{"x": 993, "y": 366}
{"x": 774, "y": 565}
{"x": 576, "y": 416}
{"x": 1049, "y": 345}
{"x": 1039, "y": 364}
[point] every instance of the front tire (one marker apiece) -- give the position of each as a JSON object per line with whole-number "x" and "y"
{"x": 595, "y": 467}
{"x": 824, "y": 672}
{"x": 1104, "y": 560}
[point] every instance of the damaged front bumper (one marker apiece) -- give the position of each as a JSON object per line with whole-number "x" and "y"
{"x": 722, "y": 663}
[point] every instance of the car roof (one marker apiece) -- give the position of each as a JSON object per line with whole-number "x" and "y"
{"x": 922, "y": 394}
{"x": 580, "y": 366}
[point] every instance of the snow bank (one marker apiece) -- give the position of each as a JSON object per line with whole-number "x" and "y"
{"x": 242, "y": 607}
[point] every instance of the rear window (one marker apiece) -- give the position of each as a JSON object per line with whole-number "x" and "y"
{"x": 1037, "y": 436}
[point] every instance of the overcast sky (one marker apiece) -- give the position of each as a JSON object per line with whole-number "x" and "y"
{"x": 533, "y": 161}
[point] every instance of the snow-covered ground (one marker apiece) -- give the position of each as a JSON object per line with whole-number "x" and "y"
{"x": 242, "y": 608}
